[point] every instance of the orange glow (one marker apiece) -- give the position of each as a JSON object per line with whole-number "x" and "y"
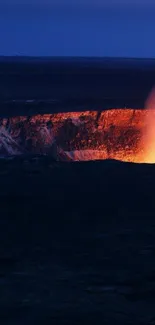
{"x": 122, "y": 134}
{"x": 149, "y": 129}
{"x": 125, "y": 135}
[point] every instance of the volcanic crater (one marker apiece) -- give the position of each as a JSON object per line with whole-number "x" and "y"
{"x": 91, "y": 135}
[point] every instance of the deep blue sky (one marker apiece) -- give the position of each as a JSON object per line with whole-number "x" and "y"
{"x": 78, "y": 28}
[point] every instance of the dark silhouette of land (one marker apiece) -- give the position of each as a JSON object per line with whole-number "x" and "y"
{"x": 77, "y": 239}
{"x": 72, "y": 84}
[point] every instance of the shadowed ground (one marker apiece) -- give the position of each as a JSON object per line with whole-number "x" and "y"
{"x": 77, "y": 243}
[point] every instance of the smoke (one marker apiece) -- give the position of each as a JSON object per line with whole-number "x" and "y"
{"x": 149, "y": 132}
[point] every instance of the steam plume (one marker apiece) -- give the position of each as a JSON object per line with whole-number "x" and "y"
{"x": 149, "y": 132}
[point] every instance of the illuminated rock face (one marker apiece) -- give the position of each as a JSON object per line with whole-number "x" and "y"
{"x": 112, "y": 134}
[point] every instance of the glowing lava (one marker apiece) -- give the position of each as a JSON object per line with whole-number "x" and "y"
{"x": 90, "y": 135}
{"x": 122, "y": 134}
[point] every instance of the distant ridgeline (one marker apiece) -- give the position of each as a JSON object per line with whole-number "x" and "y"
{"x": 56, "y": 84}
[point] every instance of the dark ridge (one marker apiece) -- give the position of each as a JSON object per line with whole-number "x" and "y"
{"x": 96, "y": 59}
{"x": 102, "y": 176}
{"x": 69, "y": 84}
{"x": 17, "y": 108}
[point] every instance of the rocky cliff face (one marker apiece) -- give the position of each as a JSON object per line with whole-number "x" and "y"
{"x": 111, "y": 134}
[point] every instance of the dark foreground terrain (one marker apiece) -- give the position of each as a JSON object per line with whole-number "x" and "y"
{"x": 77, "y": 243}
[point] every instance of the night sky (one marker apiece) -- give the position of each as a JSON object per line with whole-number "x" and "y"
{"x": 78, "y": 28}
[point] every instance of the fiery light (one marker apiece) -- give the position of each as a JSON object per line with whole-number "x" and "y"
{"x": 149, "y": 129}
{"x": 122, "y": 134}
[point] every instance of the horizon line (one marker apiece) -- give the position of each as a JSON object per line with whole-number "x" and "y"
{"x": 77, "y": 57}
